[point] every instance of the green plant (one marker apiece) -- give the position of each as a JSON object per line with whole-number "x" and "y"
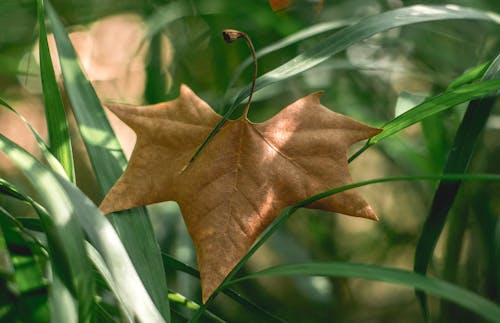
{"x": 101, "y": 266}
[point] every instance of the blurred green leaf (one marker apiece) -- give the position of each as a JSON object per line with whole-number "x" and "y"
{"x": 31, "y": 302}
{"x": 463, "y": 297}
{"x": 57, "y": 125}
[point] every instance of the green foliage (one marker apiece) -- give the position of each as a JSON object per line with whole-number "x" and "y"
{"x": 62, "y": 261}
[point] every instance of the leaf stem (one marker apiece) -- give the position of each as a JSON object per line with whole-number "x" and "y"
{"x": 230, "y": 35}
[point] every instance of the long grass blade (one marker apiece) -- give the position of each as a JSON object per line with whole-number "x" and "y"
{"x": 437, "y": 104}
{"x": 365, "y": 28}
{"x": 108, "y": 161}
{"x": 473, "y": 302}
{"x": 57, "y": 125}
{"x": 192, "y": 305}
{"x": 31, "y": 304}
{"x": 25, "y": 245}
{"x": 290, "y": 40}
{"x": 466, "y": 138}
{"x": 344, "y": 38}
{"x": 287, "y": 212}
{"x": 102, "y": 268}
{"x": 72, "y": 292}
{"x": 52, "y": 161}
{"x": 430, "y": 107}
{"x": 70, "y": 207}
{"x": 180, "y": 266}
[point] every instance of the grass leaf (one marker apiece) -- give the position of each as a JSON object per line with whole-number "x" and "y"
{"x": 72, "y": 211}
{"x": 180, "y": 266}
{"x": 461, "y": 152}
{"x": 365, "y": 28}
{"x": 301, "y": 35}
{"x": 57, "y": 125}
{"x": 436, "y": 104}
{"x": 31, "y": 303}
{"x": 463, "y": 297}
{"x": 72, "y": 292}
{"x": 287, "y": 212}
{"x": 52, "y": 161}
{"x": 344, "y": 38}
{"x": 108, "y": 161}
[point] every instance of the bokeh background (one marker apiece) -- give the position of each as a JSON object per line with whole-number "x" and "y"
{"x": 139, "y": 52}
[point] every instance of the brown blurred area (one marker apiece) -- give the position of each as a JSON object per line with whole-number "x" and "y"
{"x": 113, "y": 52}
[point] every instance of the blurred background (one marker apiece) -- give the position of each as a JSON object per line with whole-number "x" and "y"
{"x": 139, "y": 52}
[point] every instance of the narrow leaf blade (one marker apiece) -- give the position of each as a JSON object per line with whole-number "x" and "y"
{"x": 461, "y": 152}
{"x": 465, "y": 298}
{"x": 72, "y": 295}
{"x": 439, "y": 103}
{"x": 108, "y": 161}
{"x": 70, "y": 205}
{"x": 57, "y": 125}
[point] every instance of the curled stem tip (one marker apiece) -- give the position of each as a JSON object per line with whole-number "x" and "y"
{"x": 230, "y": 35}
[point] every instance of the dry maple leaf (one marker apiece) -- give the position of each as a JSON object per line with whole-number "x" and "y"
{"x": 245, "y": 175}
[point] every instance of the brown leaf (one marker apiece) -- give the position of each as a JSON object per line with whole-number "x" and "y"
{"x": 242, "y": 179}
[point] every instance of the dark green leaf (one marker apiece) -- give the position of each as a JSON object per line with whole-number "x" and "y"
{"x": 461, "y": 152}
{"x": 57, "y": 125}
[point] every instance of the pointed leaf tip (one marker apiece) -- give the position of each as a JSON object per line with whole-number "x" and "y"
{"x": 368, "y": 213}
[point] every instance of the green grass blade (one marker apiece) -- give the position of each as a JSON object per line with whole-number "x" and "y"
{"x": 287, "y": 212}
{"x": 57, "y": 125}
{"x": 70, "y": 206}
{"x": 102, "y": 268}
{"x": 365, "y": 28}
{"x": 470, "y": 76}
{"x": 463, "y": 297}
{"x": 180, "y": 266}
{"x": 34, "y": 242}
{"x": 430, "y": 107}
{"x": 28, "y": 275}
{"x": 466, "y": 138}
{"x": 52, "y": 161}
{"x": 301, "y": 35}
{"x": 192, "y": 305}
{"x": 73, "y": 281}
{"x": 439, "y": 103}
{"x": 339, "y": 41}
{"x": 31, "y": 301}
{"x": 104, "y": 150}
{"x": 108, "y": 161}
